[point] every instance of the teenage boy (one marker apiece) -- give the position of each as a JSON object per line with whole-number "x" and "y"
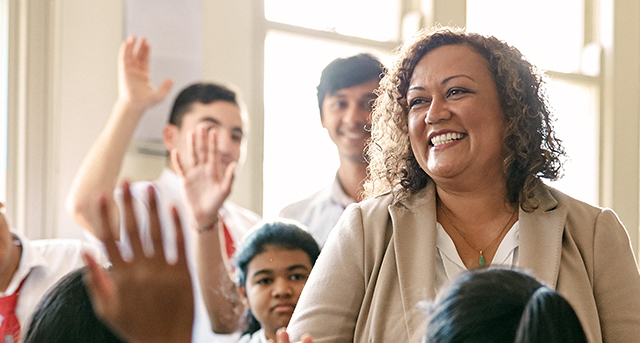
{"x": 204, "y": 105}
{"x": 345, "y": 96}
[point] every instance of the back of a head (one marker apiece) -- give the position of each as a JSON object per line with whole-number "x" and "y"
{"x": 494, "y": 305}
{"x": 549, "y": 318}
{"x": 348, "y": 72}
{"x": 65, "y": 315}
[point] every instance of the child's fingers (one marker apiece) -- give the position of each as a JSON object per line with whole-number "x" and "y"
{"x": 130, "y": 222}
{"x": 99, "y": 283}
{"x": 154, "y": 225}
{"x": 182, "y": 255}
{"x": 108, "y": 239}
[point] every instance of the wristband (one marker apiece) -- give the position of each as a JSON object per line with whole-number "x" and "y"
{"x": 207, "y": 228}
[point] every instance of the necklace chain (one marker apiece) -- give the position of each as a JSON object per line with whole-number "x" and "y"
{"x": 481, "y": 260}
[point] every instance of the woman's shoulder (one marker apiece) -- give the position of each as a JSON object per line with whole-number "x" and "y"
{"x": 582, "y": 212}
{"x": 378, "y": 201}
{"x": 389, "y": 198}
{"x": 573, "y": 204}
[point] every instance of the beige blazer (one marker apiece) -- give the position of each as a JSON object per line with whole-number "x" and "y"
{"x": 379, "y": 262}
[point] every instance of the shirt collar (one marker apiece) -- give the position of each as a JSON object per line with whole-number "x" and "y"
{"x": 505, "y": 255}
{"x": 338, "y": 194}
{"x": 29, "y": 260}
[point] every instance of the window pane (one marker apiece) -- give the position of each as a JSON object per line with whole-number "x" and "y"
{"x": 299, "y": 157}
{"x": 372, "y": 19}
{"x": 575, "y": 108}
{"x": 549, "y": 32}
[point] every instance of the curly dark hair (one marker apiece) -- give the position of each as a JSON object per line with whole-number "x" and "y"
{"x": 530, "y": 148}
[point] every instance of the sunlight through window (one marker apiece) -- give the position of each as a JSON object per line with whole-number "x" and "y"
{"x": 556, "y": 44}
{"x": 372, "y": 19}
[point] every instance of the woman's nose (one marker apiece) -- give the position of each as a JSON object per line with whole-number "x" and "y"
{"x": 438, "y": 111}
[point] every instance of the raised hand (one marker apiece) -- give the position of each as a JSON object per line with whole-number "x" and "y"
{"x": 145, "y": 298}
{"x": 134, "y": 84}
{"x": 206, "y": 186}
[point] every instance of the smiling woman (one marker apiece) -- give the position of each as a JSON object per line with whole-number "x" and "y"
{"x": 461, "y": 140}
{"x": 452, "y": 93}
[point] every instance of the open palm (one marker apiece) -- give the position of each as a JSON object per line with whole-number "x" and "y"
{"x": 134, "y": 84}
{"x": 205, "y": 185}
{"x": 144, "y": 298}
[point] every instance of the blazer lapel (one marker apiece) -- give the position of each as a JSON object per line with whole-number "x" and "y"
{"x": 414, "y": 237}
{"x": 541, "y": 238}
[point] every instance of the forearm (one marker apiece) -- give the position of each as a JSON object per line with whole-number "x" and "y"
{"x": 100, "y": 168}
{"x": 218, "y": 290}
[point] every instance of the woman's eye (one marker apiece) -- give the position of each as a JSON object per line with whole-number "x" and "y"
{"x": 456, "y": 91}
{"x": 416, "y": 102}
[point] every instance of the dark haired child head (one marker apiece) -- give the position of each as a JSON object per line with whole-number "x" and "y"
{"x": 273, "y": 263}
{"x": 65, "y": 315}
{"x": 500, "y": 305}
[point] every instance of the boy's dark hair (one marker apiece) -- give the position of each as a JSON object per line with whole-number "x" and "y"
{"x": 348, "y": 72}
{"x": 65, "y": 315}
{"x": 204, "y": 93}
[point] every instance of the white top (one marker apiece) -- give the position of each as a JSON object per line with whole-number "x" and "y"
{"x": 256, "y": 337}
{"x": 43, "y": 263}
{"x": 170, "y": 193}
{"x": 321, "y": 211}
{"x": 449, "y": 264}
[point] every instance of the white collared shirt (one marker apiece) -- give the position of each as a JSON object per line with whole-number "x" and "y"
{"x": 43, "y": 263}
{"x": 320, "y": 212}
{"x": 449, "y": 264}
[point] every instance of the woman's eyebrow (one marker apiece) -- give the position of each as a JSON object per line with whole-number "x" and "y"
{"x": 456, "y": 76}
{"x": 420, "y": 88}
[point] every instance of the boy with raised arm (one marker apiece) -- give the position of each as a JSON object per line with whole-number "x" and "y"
{"x": 213, "y": 107}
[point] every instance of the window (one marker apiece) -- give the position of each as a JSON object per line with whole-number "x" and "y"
{"x": 573, "y": 66}
{"x": 299, "y": 43}
{"x": 371, "y": 19}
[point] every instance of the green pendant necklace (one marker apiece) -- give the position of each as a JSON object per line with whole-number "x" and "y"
{"x": 481, "y": 260}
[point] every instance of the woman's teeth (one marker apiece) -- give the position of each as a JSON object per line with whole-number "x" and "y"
{"x": 446, "y": 138}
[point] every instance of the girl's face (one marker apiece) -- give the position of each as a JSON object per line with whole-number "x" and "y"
{"x": 273, "y": 284}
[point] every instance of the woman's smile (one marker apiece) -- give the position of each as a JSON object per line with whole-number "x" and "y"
{"x": 456, "y": 124}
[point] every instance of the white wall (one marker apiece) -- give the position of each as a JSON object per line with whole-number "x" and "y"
{"x": 65, "y": 55}
{"x": 87, "y": 47}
